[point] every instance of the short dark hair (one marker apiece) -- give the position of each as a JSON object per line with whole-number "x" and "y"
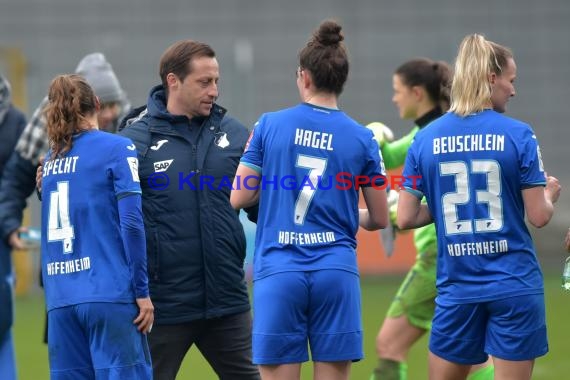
{"x": 177, "y": 57}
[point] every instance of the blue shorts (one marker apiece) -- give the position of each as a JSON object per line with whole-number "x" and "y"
{"x": 512, "y": 328}
{"x": 97, "y": 340}
{"x": 319, "y": 308}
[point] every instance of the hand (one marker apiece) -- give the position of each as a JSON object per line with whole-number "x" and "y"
{"x": 552, "y": 189}
{"x": 39, "y": 174}
{"x": 567, "y": 240}
{"x": 382, "y": 134}
{"x": 393, "y": 197}
{"x": 145, "y": 318}
{"x": 15, "y": 241}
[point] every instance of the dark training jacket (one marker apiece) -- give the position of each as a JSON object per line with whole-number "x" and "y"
{"x": 12, "y": 122}
{"x": 195, "y": 241}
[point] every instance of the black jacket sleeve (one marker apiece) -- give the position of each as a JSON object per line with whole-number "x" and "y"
{"x": 252, "y": 213}
{"x": 18, "y": 183}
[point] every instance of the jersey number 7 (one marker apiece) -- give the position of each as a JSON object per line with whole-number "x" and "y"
{"x": 316, "y": 168}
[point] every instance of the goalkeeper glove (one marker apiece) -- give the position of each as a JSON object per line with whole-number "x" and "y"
{"x": 382, "y": 133}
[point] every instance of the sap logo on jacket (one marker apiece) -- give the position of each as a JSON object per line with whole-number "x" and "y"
{"x": 162, "y": 166}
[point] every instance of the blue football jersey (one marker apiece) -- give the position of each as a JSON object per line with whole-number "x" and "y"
{"x": 83, "y": 257}
{"x": 310, "y": 159}
{"x": 472, "y": 171}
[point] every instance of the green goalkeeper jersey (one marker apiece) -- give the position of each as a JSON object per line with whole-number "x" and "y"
{"x": 394, "y": 155}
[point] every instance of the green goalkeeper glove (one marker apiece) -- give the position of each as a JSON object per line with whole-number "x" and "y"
{"x": 382, "y": 134}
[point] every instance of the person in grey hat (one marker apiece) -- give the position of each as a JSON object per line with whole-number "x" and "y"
{"x": 12, "y": 123}
{"x": 20, "y": 170}
{"x": 101, "y": 77}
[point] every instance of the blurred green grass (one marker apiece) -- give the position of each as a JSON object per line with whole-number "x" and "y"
{"x": 376, "y": 295}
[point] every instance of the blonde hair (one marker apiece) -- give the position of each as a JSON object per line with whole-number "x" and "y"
{"x": 476, "y": 59}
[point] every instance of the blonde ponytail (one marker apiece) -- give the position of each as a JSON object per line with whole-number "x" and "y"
{"x": 476, "y": 59}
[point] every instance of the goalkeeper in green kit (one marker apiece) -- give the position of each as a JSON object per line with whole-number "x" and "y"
{"x": 421, "y": 93}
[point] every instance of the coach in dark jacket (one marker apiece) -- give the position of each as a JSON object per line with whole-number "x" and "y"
{"x": 188, "y": 151}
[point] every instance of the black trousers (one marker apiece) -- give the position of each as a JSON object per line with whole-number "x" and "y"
{"x": 225, "y": 343}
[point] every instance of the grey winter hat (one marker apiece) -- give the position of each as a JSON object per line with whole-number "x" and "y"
{"x": 100, "y": 75}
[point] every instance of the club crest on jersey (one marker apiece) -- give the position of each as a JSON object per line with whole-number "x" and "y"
{"x": 221, "y": 140}
{"x": 162, "y": 166}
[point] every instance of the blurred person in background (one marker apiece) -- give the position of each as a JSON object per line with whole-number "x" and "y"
{"x": 421, "y": 93}
{"x": 93, "y": 243}
{"x": 307, "y": 292}
{"x": 481, "y": 172}
{"x": 20, "y": 171}
{"x": 12, "y": 123}
{"x": 195, "y": 240}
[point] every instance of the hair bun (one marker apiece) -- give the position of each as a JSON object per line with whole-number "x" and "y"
{"x": 329, "y": 33}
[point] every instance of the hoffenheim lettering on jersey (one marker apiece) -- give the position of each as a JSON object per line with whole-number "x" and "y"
{"x": 469, "y": 143}
{"x": 313, "y": 139}
{"x": 63, "y": 165}
{"x": 478, "y": 248}
{"x": 69, "y": 266}
{"x": 296, "y": 238}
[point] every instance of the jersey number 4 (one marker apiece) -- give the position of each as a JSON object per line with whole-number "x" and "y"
{"x": 59, "y": 225}
{"x": 491, "y": 196}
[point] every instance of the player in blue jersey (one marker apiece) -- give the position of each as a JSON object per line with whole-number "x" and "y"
{"x": 480, "y": 172}
{"x": 421, "y": 92}
{"x": 302, "y": 163}
{"x": 93, "y": 244}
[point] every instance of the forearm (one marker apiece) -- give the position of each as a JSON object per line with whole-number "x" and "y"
{"x": 539, "y": 203}
{"x": 365, "y": 221}
{"x": 133, "y": 235}
{"x": 244, "y": 198}
{"x": 544, "y": 216}
{"x": 424, "y": 216}
{"x": 411, "y": 212}
{"x": 245, "y": 189}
